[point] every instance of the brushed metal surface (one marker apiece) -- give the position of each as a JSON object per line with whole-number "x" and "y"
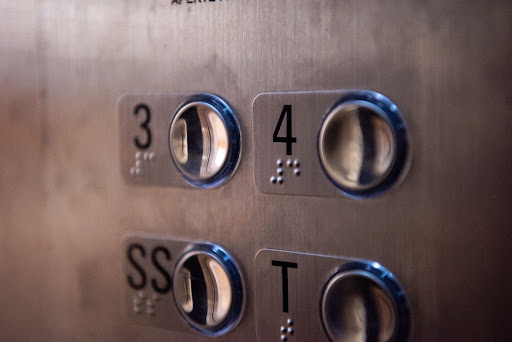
{"x": 445, "y": 232}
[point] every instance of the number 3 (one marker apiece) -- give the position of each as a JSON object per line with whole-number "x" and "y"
{"x": 144, "y": 125}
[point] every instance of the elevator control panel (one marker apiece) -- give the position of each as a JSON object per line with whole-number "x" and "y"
{"x": 198, "y": 287}
{"x": 350, "y": 143}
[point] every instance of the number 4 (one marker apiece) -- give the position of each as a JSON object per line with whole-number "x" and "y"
{"x": 289, "y": 139}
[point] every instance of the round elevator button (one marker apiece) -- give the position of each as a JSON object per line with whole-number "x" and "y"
{"x": 208, "y": 290}
{"x": 204, "y": 140}
{"x": 363, "y": 302}
{"x": 363, "y": 143}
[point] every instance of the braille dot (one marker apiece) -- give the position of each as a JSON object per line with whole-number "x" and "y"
{"x": 151, "y": 311}
{"x": 138, "y": 163}
{"x": 280, "y": 172}
{"x": 290, "y": 322}
{"x": 289, "y": 162}
{"x": 137, "y": 309}
{"x": 273, "y": 180}
{"x": 132, "y": 171}
{"x": 138, "y": 170}
{"x": 283, "y": 330}
{"x": 279, "y": 162}
{"x": 152, "y": 156}
{"x": 280, "y": 180}
{"x": 290, "y": 331}
{"x": 149, "y": 302}
{"x": 141, "y": 294}
{"x": 296, "y": 163}
{"x": 284, "y": 338}
{"x": 297, "y": 172}
{"x": 137, "y": 300}
{"x": 155, "y": 297}
{"x": 146, "y": 155}
{"x": 138, "y": 155}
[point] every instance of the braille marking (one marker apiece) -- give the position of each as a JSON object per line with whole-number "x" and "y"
{"x": 137, "y": 302}
{"x": 280, "y": 171}
{"x": 143, "y": 302}
{"x": 141, "y": 160}
{"x": 286, "y": 331}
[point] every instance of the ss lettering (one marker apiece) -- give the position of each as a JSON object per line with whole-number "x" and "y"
{"x": 159, "y": 255}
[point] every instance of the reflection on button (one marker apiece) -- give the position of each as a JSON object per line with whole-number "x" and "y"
{"x": 204, "y": 141}
{"x": 363, "y": 144}
{"x": 363, "y": 302}
{"x": 208, "y": 290}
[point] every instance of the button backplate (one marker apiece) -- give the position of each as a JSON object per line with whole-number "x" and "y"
{"x": 147, "y": 295}
{"x": 307, "y": 111}
{"x": 145, "y": 156}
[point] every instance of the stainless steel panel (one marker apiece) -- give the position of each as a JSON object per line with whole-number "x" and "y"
{"x": 445, "y": 232}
